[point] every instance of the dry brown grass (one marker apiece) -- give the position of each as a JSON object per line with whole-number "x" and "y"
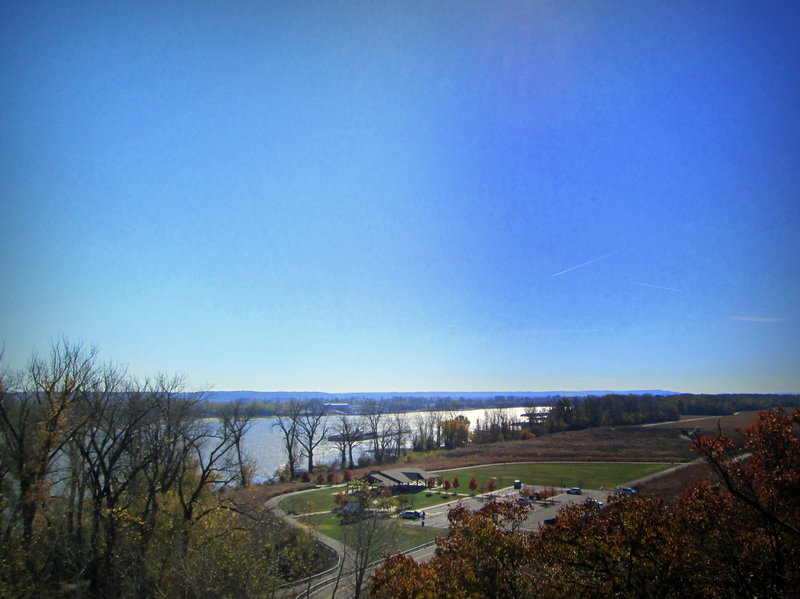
{"x": 655, "y": 443}
{"x": 739, "y": 420}
{"x": 602, "y": 444}
{"x": 669, "y": 486}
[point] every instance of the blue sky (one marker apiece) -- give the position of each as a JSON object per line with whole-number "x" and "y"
{"x": 348, "y": 196}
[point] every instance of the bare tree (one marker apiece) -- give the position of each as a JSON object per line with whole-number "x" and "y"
{"x": 167, "y": 435}
{"x": 113, "y": 457}
{"x": 399, "y": 432}
{"x": 365, "y": 539}
{"x": 312, "y": 429}
{"x": 237, "y": 419}
{"x": 36, "y": 421}
{"x": 425, "y": 435}
{"x": 374, "y": 417}
{"x": 88, "y": 456}
{"x": 209, "y": 449}
{"x": 287, "y": 421}
{"x": 346, "y": 437}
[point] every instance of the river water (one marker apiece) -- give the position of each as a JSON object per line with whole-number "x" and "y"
{"x": 265, "y": 444}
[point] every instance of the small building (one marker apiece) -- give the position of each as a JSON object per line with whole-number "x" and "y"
{"x": 399, "y": 480}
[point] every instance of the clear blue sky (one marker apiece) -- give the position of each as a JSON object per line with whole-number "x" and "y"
{"x": 406, "y": 196}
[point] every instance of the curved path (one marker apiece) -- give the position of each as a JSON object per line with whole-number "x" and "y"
{"x": 273, "y": 502}
{"x": 299, "y": 587}
{"x": 320, "y": 581}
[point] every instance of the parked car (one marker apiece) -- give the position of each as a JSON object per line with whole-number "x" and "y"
{"x": 549, "y": 521}
{"x": 525, "y": 500}
{"x": 574, "y": 491}
{"x": 411, "y": 515}
{"x": 592, "y": 500}
{"x": 626, "y": 490}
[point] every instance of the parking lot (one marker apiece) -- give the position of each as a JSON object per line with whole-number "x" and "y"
{"x": 436, "y": 516}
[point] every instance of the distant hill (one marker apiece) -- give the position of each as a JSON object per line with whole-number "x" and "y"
{"x": 277, "y": 396}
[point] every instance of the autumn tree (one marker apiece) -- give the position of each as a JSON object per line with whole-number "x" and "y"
{"x": 36, "y": 422}
{"x": 473, "y": 485}
{"x": 481, "y": 556}
{"x": 112, "y": 487}
{"x": 735, "y": 538}
{"x": 455, "y": 432}
{"x": 763, "y": 476}
{"x": 113, "y": 456}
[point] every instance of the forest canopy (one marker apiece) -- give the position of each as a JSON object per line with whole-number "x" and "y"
{"x": 113, "y": 487}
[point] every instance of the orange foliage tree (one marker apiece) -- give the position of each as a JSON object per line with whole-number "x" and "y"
{"x": 736, "y": 537}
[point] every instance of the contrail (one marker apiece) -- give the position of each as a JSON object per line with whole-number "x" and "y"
{"x": 563, "y": 272}
{"x": 757, "y": 319}
{"x": 657, "y": 287}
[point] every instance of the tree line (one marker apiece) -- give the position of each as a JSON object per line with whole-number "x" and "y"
{"x": 622, "y": 410}
{"x": 114, "y": 487}
{"x": 305, "y": 424}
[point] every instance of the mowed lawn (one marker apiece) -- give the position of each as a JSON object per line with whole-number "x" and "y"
{"x": 321, "y": 500}
{"x": 309, "y": 502}
{"x": 589, "y": 475}
{"x": 399, "y": 536}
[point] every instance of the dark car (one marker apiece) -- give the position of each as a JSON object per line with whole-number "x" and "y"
{"x": 626, "y": 490}
{"x": 411, "y": 515}
{"x": 549, "y": 521}
{"x": 525, "y": 500}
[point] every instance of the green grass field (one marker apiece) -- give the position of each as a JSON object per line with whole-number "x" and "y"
{"x": 308, "y": 502}
{"x": 399, "y": 536}
{"x": 590, "y": 475}
{"x": 321, "y": 500}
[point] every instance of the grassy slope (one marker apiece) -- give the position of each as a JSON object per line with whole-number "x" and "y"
{"x": 400, "y": 536}
{"x": 319, "y": 500}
